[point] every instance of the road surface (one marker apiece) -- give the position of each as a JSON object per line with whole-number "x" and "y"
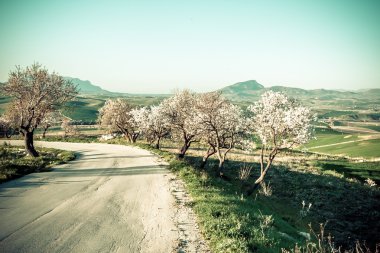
{"x": 113, "y": 198}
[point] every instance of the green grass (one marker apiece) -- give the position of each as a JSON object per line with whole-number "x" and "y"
{"x": 4, "y": 101}
{"x": 232, "y": 222}
{"x": 372, "y": 127}
{"x": 79, "y": 139}
{"x": 326, "y": 136}
{"x": 57, "y": 130}
{"x": 366, "y": 149}
{"x": 84, "y": 108}
{"x": 333, "y": 113}
{"x": 374, "y": 116}
{"x": 363, "y": 148}
{"x": 358, "y": 170}
{"x": 15, "y": 163}
{"x": 358, "y": 124}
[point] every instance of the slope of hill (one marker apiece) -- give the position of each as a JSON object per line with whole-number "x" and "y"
{"x": 242, "y": 87}
{"x": 360, "y": 105}
{"x": 243, "y": 91}
{"x": 373, "y": 93}
{"x": 86, "y": 87}
{"x": 252, "y": 90}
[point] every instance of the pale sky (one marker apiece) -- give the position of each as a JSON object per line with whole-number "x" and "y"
{"x": 158, "y": 46}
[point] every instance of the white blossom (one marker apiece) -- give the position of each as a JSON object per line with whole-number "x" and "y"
{"x": 181, "y": 114}
{"x": 152, "y": 122}
{"x": 280, "y": 123}
{"x": 221, "y": 124}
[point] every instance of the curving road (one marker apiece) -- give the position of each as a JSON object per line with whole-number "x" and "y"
{"x": 112, "y": 199}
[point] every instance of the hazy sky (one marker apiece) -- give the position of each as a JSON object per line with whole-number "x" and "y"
{"x": 158, "y": 46}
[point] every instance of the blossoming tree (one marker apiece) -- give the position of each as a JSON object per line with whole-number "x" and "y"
{"x": 117, "y": 117}
{"x": 35, "y": 93}
{"x": 51, "y": 119}
{"x": 152, "y": 123}
{"x": 221, "y": 123}
{"x": 180, "y": 112}
{"x": 280, "y": 123}
{"x": 5, "y": 127}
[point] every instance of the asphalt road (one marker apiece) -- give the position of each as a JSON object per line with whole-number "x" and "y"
{"x": 112, "y": 198}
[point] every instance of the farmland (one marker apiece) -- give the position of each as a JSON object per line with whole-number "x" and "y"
{"x": 352, "y": 144}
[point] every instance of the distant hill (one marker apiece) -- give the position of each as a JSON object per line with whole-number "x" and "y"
{"x": 86, "y": 87}
{"x": 371, "y": 93}
{"x": 252, "y": 90}
{"x": 243, "y": 87}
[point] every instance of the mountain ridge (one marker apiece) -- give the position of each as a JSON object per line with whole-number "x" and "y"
{"x": 251, "y": 89}
{"x": 86, "y": 87}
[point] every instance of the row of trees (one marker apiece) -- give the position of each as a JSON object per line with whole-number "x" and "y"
{"x": 187, "y": 117}
{"x": 209, "y": 118}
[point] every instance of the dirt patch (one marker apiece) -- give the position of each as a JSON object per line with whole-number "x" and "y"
{"x": 189, "y": 236}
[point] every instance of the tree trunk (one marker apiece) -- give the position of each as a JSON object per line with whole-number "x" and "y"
{"x": 29, "y": 146}
{"x": 210, "y": 152}
{"x": 220, "y": 168}
{"x": 134, "y": 137}
{"x": 184, "y": 148}
{"x": 252, "y": 189}
{"x": 127, "y": 137}
{"x": 157, "y": 146}
{"x": 204, "y": 161}
{"x": 44, "y": 132}
{"x": 259, "y": 180}
{"x": 9, "y": 133}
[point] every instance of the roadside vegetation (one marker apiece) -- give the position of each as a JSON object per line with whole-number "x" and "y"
{"x": 279, "y": 215}
{"x": 14, "y": 161}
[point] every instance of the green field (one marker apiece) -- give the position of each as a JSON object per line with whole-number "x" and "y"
{"x": 336, "y": 114}
{"x": 356, "y": 146}
{"x": 85, "y": 108}
{"x": 366, "y": 149}
{"x": 326, "y": 136}
{"x": 4, "y": 101}
{"x": 375, "y": 127}
{"x": 372, "y": 127}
